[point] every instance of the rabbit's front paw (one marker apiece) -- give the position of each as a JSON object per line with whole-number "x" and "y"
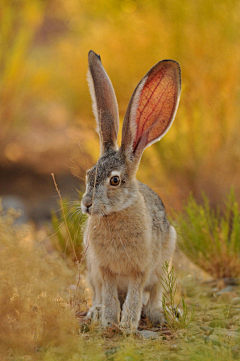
{"x": 175, "y": 312}
{"x": 156, "y": 316}
{"x": 128, "y": 322}
{"x": 129, "y": 325}
{"x": 106, "y": 322}
{"x": 110, "y": 316}
{"x": 95, "y": 313}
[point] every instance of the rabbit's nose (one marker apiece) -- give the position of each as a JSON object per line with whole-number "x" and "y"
{"x": 87, "y": 201}
{"x": 86, "y": 204}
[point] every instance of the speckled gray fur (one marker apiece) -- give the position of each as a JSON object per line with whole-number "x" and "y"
{"x": 127, "y": 236}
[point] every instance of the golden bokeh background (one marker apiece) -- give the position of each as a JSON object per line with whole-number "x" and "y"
{"x": 46, "y": 123}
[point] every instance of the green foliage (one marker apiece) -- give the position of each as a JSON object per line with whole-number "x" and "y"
{"x": 210, "y": 238}
{"x": 176, "y": 319}
{"x": 68, "y": 229}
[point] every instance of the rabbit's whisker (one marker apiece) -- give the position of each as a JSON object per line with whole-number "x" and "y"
{"x": 85, "y": 159}
{"x": 79, "y": 165}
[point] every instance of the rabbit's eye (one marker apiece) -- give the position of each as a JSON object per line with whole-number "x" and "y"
{"x": 114, "y": 181}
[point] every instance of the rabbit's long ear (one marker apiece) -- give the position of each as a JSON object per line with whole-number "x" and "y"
{"x": 152, "y": 108}
{"x": 104, "y": 104}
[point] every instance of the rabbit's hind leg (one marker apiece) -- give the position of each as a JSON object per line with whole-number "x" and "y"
{"x": 153, "y": 309}
{"x": 169, "y": 246}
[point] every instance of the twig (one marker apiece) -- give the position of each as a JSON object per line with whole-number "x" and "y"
{"x": 64, "y": 215}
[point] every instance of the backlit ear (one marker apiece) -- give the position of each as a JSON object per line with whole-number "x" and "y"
{"x": 152, "y": 108}
{"x": 104, "y": 104}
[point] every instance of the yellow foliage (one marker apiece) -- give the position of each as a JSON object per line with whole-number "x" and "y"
{"x": 44, "y": 62}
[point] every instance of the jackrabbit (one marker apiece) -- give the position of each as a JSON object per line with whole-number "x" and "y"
{"x": 127, "y": 233}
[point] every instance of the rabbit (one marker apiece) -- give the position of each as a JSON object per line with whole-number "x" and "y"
{"x": 128, "y": 237}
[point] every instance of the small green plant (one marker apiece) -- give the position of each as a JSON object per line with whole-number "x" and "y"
{"x": 68, "y": 228}
{"x": 176, "y": 318}
{"x": 210, "y": 238}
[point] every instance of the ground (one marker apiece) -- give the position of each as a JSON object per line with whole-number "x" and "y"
{"x": 42, "y": 310}
{"x": 214, "y": 333}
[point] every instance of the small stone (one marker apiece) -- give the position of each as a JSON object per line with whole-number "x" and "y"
{"x": 148, "y": 334}
{"x": 219, "y": 323}
{"x": 215, "y": 340}
{"x": 206, "y": 318}
{"x": 193, "y": 338}
{"x": 236, "y": 301}
{"x": 224, "y": 290}
{"x": 174, "y": 348}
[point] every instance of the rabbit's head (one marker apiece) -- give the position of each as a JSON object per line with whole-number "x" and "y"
{"x": 111, "y": 184}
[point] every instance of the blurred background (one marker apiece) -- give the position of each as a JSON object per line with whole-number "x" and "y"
{"x": 46, "y": 121}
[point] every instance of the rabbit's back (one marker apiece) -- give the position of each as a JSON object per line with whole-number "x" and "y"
{"x": 163, "y": 235}
{"x": 156, "y": 210}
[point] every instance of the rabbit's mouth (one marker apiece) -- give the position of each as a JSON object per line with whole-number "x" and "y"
{"x": 86, "y": 204}
{"x": 86, "y": 210}
{"x": 91, "y": 209}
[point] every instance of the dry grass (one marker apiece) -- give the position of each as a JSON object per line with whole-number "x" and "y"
{"x": 35, "y": 310}
{"x": 38, "y": 313}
